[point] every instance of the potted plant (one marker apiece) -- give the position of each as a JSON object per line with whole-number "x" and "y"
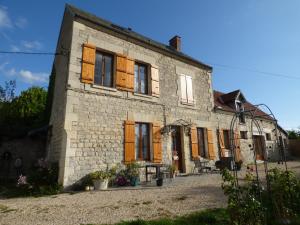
{"x": 100, "y": 179}
{"x": 159, "y": 180}
{"x": 172, "y": 170}
{"x": 133, "y": 172}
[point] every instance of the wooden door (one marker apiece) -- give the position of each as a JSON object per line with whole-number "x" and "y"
{"x": 259, "y": 146}
{"x": 176, "y": 148}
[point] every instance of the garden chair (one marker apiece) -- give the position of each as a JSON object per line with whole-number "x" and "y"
{"x": 201, "y": 166}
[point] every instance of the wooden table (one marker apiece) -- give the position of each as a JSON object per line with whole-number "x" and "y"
{"x": 157, "y": 167}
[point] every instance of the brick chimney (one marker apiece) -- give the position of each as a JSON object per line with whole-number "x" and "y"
{"x": 175, "y": 42}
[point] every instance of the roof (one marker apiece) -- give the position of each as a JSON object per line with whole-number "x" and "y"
{"x": 99, "y": 22}
{"x": 231, "y": 96}
{"x": 221, "y": 104}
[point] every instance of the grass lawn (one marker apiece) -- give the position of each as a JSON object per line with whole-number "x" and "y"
{"x": 207, "y": 217}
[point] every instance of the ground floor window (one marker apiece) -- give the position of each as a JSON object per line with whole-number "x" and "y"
{"x": 142, "y": 143}
{"x": 201, "y": 133}
{"x": 226, "y": 136}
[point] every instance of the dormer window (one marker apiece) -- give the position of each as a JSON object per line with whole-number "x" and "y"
{"x": 240, "y": 108}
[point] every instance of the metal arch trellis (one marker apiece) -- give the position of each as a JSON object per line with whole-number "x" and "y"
{"x": 254, "y": 122}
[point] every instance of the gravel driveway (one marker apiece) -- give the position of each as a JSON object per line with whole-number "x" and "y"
{"x": 182, "y": 196}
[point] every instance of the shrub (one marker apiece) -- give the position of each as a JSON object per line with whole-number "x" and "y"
{"x": 251, "y": 204}
{"x": 42, "y": 180}
{"x": 244, "y": 205}
{"x": 284, "y": 193}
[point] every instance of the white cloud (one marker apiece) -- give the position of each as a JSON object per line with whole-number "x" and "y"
{"x": 25, "y": 76}
{"x": 21, "y": 22}
{"x": 32, "y": 45}
{"x": 27, "y": 46}
{"x": 31, "y": 78}
{"x": 15, "y": 48}
{"x": 5, "y": 21}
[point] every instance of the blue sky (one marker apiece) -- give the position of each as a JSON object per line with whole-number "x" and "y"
{"x": 244, "y": 35}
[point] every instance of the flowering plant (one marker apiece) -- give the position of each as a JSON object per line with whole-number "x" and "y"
{"x": 22, "y": 181}
{"x": 121, "y": 180}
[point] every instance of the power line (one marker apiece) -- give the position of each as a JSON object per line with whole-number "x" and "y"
{"x": 213, "y": 64}
{"x": 255, "y": 71}
{"x": 32, "y": 53}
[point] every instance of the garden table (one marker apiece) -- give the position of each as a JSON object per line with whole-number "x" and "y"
{"x": 157, "y": 167}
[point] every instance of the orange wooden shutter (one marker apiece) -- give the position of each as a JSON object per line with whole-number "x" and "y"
{"x": 121, "y": 81}
{"x": 130, "y": 74}
{"x": 210, "y": 142}
{"x": 125, "y": 73}
{"x": 155, "y": 81}
{"x": 88, "y": 63}
{"x": 129, "y": 141}
{"x": 221, "y": 142}
{"x": 194, "y": 143}
{"x": 237, "y": 147}
{"x": 156, "y": 141}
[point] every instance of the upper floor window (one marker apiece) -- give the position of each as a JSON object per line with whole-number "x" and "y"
{"x": 186, "y": 89}
{"x": 141, "y": 78}
{"x": 240, "y": 108}
{"x": 142, "y": 143}
{"x": 103, "y": 69}
{"x": 244, "y": 135}
{"x": 268, "y": 136}
{"x": 242, "y": 118}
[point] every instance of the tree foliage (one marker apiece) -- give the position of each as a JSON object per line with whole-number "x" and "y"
{"x": 294, "y": 134}
{"x": 24, "y": 111}
{"x": 7, "y": 93}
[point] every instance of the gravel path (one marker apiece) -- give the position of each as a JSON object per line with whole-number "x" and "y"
{"x": 184, "y": 195}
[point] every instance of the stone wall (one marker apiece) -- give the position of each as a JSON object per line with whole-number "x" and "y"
{"x": 58, "y": 138}
{"x": 29, "y": 149}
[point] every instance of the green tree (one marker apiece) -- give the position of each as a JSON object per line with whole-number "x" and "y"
{"x": 294, "y": 134}
{"x": 25, "y": 111}
{"x": 29, "y": 107}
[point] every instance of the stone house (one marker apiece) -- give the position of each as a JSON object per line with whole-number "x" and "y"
{"x": 121, "y": 97}
{"x": 251, "y": 135}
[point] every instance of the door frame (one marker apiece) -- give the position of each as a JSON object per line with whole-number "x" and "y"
{"x": 179, "y": 136}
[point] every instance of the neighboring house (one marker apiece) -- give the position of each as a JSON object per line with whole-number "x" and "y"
{"x": 121, "y": 97}
{"x": 251, "y": 135}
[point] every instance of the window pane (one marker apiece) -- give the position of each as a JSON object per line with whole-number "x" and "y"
{"x": 108, "y": 71}
{"x": 137, "y": 141}
{"x": 145, "y": 140}
{"x": 201, "y": 144}
{"x": 136, "y": 78}
{"x": 143, "y": 79}
{"x": 226, "y": 139}
{"x": 98, "y": 69}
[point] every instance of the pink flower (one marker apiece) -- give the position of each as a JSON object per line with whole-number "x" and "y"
{"x": 22, "y": 180}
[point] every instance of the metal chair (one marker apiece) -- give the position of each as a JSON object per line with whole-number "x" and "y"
{"x": 201, "y": 166}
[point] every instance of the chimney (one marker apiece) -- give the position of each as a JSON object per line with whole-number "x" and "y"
{"x": 175, "y": 42}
